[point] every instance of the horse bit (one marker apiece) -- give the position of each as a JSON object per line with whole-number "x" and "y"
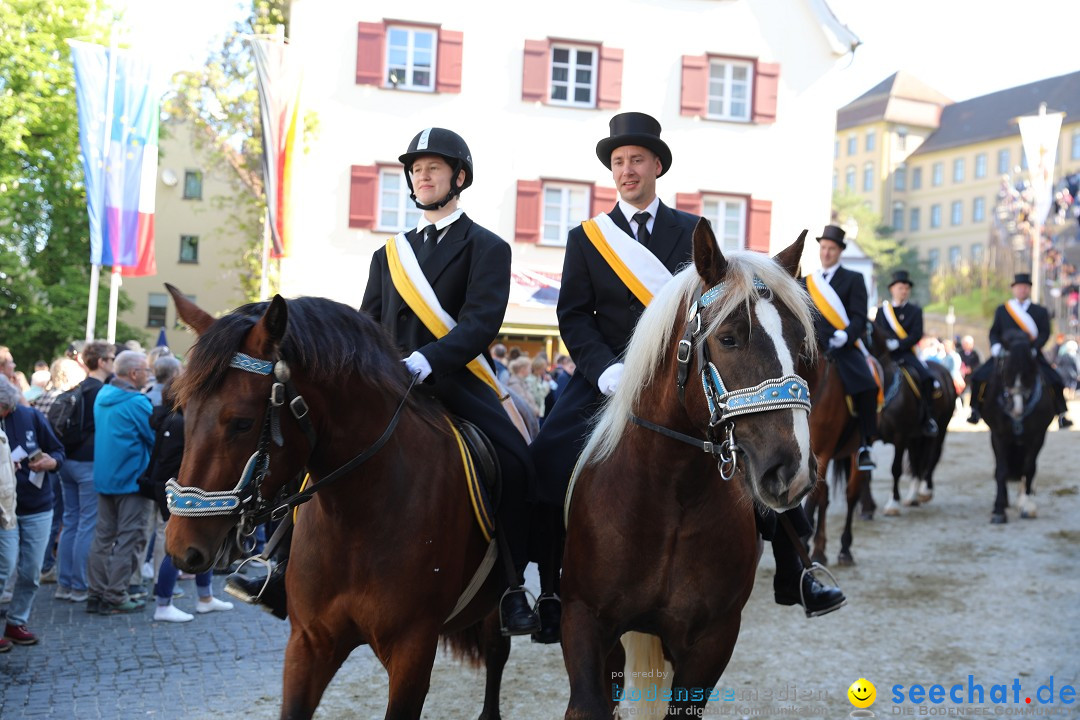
{"x": 787, "y": 392}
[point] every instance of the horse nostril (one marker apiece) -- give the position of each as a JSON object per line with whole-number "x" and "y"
{"x": 194, "y": 558}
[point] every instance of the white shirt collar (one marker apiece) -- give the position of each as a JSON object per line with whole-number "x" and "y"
{"x": 629, "y": 211}
{"x": 441, "y": 225}
{"x": 1025, "y": 304}
{"x": 830, "y": 270}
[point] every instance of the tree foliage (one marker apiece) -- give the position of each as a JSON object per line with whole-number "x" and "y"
{"x": 44, "y": 230}
{"x": 888, "y": 252}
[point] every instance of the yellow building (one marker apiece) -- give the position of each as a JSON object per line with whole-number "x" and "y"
{"x": 932, "y": 168}
{"x": 196, "y": 244}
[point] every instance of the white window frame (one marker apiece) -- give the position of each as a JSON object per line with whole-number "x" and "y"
{"x": 980, "y": 166}
{"x": 403, "y": 205}
{"x": 868, "y": 177}
{"x": 937, "y": 174}
{"x": 849, "y": 178}
{"x": 870, "y": 142}
{"x": 914, "y": 219}
{"x": 571, "y": 84}
{"x": 978, "y": 209}
{"x": 900, "y": 178}
{"x": 959, "y": 170}
{"x": 726, "y": 113}
{"x": 1004, "y": 154}
{"x": 852, "y": 144}
{"x": 956, "y": 213}
{"x": 956, "y": 257}
{"x": 898, "y": 214}
{"x": 933, "y": 260}
{"x": 935, "y": 216}
{"x": 718, "y": 209}
{"x": 568, "y": 219}
{"x": 916, "y": 178}
{"x": 406, "y": 83}
{"x": 1074, "y": 152}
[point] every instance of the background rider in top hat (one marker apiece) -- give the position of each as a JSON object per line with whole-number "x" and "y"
{"x": 597, "y": 314}
{"x": 908, "y": 317}
{"x": 1003, "y": 324}
{"x": 840, "y": 343}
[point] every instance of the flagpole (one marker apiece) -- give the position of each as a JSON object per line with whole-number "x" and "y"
{"x": 264, "y": 280}
{"x": 95, "y": 269}
{"x": 91, "y": 310}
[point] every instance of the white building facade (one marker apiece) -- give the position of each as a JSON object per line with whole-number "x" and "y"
{"x": 740, "y": 88}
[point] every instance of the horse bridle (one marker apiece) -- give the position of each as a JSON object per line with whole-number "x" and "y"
{"x": 783, "y": 393}
{"x": 245, "y": 499}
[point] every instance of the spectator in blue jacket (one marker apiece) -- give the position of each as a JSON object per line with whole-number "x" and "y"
{"x": 30, "y": 438}
{"x": 122, "y": 443}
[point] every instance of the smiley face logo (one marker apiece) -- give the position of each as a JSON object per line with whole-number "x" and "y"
{"x": 862, "y": 693}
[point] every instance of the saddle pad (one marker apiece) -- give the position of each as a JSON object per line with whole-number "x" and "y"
{"x": 481, "y": 472}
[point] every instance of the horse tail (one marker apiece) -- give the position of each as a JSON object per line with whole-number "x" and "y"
{"x": 467, "y": 645}
{"x": 645, "y": 665}
{"x": 841, "y": 470}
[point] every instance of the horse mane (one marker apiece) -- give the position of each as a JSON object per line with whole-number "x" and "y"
{"x": 653, "y": 334}
{"x": 325, "y": 340}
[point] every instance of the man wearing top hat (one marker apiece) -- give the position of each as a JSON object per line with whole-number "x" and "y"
{"x": 1020, "y": 314}
{"x": 839, "y": 297}
{"x": 597, "y": 314}
{"x": 901, "y": 323}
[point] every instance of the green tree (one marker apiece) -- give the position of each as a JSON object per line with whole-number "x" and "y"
{"x": 885, "y": 250}
{"x": 44, "y": 229}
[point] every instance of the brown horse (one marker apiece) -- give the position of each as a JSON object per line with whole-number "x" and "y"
{"x": 661, "y": 538}
{"x": 383, "y": 552}
{"x": 834, "y": 435}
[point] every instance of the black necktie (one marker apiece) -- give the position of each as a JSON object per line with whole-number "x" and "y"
{"x": 825, "y": 276}
{"x": 642, "y": 220}
{"x": 431, "y": 239}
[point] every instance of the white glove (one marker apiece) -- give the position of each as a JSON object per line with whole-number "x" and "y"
{"x": 892, "y": 343}
{"x": 609, "y": 379}
{"x": 995, "y": 349}
{"x": 418, "y": 365}
{"x": 838, "y": 339}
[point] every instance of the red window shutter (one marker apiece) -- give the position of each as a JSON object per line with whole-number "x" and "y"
{"x": 609, "y": 82}
{"x": 363, "y": 188}
{"x": 695, "y": 84}
{"x": 759, "y": 225}
{"x": 370, "y": 48}
{"x": 603, "y": 199}
{"x": 692, "y": 203}
{"x": 448, "y": 75}
{"x": 766, "y": 85}
{"x": 534, "y": 74}
{"x": 527, "y": 219}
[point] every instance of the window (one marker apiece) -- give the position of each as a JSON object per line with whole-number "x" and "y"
{"x": 913, "y": 220}
{"x": 193, "y": 185}
{"x": 1074, "y": 154}
{"x": 916, "y": 178}
{"x": 980, "y": 166}
{"x": 573, "y": 76}
{"x": 849, "y": 178}
{"x": 835, "y": 179}
{"x": 935, "y": 216}
{"x": 565, "y": 206}
{"x": 938, "y": 170}
{"x": 978, "y": 209}
{"x": 954, "y": 257}
{"x": 958, "y": 170}
{"x": 901, "y": 139}
{"x": 868, "y": 177}
{"x": 728, "y": 218}
{"x": 729, "y": 90}
{"x": 1003, "y": 162}
{"x": 397, "y": 211}
{"x": 189, "y": 248}
{"x": 410, "y": 58}
{"x": 898, "y": 216}
{"x": 836, "y": 148}
{"x": 900, "y": 178}
{"x": 933, "y": 260}
{"x": 871, "y": 137}
{"x": 977, "y": 255}
{"x": 852, "y": 144}
{"x": 157, "y": 305}
{"x": 957, "y": 212}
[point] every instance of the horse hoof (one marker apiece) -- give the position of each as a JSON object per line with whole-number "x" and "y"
{"x": 1028, "y": 514}
{"x": 844, "y": 559}
{"x": 998, "y": 519}
{"x": 867, "y": 516}
{"x": 911, "y": 502}
{"x": 891, "y": 510}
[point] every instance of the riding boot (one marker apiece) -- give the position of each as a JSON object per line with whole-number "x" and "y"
{"x": 1061, "y": 408}
{"x": 792, "y": 587}
{"x": 266, "y": 592}
{"x": 866, "y": 406}
{"x": 926, "y": 409}
{"x": 975, "y": 402}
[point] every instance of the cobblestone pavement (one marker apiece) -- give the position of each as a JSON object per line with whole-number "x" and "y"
{"x": 128, "y": 666}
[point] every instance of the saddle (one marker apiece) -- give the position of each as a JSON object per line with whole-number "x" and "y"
{"x": 482, "y": 472}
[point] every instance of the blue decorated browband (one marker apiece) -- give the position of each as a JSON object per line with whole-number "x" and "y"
{"x": 244, "y": 362}
{"x": 714, "y": 292}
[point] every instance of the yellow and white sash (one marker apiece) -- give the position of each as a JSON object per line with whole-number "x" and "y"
{"x": 1021, "y": 317}
{"x": 640, "y": 270}
{"x": 828, "y": 304}
{"x": 894, "y": 323}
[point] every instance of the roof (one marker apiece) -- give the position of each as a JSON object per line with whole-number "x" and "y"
{"x": 993, "y": 116}
{"x": 900, "y": 98}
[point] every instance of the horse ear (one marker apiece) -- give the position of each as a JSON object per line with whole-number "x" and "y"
{"x": 790, "y": 257}
{"x": 709, "y": 261}
{"x": 275, "y": 320}
{"x": 193, "y": 316}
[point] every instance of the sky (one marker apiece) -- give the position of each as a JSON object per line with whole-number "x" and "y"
{"x": 962, "y": 48}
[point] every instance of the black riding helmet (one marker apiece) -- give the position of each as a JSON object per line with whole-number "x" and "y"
{"x": 448, "y": 145}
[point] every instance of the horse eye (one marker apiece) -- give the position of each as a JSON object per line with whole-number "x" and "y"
{"x": 240, "y": 425}
{"x": 729, "y": 341}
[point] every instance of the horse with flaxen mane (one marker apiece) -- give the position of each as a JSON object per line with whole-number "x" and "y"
{"x": 388, "y": 542}
{"x": 1018, "y": 407}
{"x": 660, "y": 536}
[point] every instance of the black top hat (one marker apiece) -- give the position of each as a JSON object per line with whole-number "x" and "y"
{"x": 834, "y": 233}
{"x": 901, "y": 276}
{"x": 634, "y": 128}
{"x": 1021, "y": 278}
